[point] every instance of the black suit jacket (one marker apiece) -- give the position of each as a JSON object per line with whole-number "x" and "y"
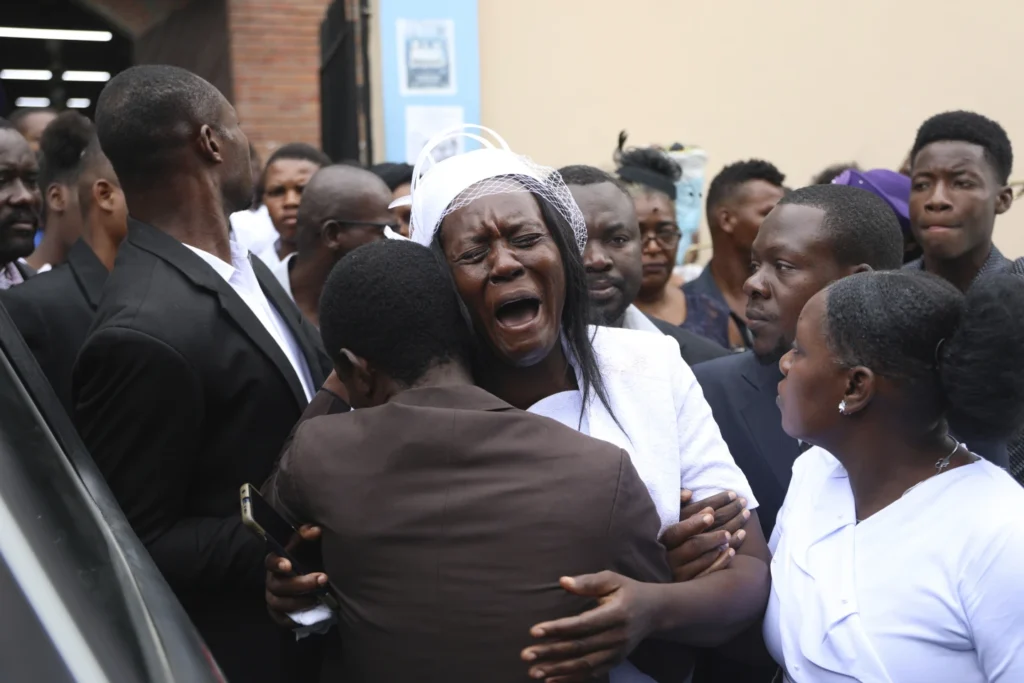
{"x": 54, "y": 311}
{"x": 25, "y": 269}
{"x": 742, "y": 393}
{"x": 182, "y": 396}
{"x": 693, "y": 347}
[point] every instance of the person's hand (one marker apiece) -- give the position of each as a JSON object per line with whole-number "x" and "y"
{"x": 589, "y": 645}
{"x": 708, "y": 535}
{"x": 728, "y": 509}
{"x": 286, "y": 593}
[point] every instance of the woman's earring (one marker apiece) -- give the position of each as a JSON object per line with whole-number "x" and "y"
{"x": 842, "y": 407}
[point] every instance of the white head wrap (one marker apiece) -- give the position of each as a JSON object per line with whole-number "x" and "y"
{"x": 441, "y": 187}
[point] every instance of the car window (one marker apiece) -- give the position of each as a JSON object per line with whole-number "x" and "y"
{"x": 77, "y": 549}
{"x": 41, "y": 497}
{"x": 27, "y": 652}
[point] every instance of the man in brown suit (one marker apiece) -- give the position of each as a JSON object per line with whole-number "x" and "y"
{"x": 448, "y": 516}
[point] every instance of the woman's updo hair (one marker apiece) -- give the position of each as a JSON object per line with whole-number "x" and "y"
{"x": 956, "y": 356}
{"x": 647, "y": 169}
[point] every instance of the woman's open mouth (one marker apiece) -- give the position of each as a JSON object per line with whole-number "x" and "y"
{"x": 518, "y": 312}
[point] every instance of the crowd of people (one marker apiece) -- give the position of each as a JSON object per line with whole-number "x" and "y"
{"x": 514, "y": 443}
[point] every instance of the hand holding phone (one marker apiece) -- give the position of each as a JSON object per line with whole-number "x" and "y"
{"x": 280, "y": 536}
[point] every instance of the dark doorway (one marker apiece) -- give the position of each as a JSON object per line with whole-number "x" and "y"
{"x": 345, "y": 82}
{"x": 58, "y": 56}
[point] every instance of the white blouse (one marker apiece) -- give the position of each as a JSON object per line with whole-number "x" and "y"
{"x": 931, "y": 588}
{"x": 664, "y": 421}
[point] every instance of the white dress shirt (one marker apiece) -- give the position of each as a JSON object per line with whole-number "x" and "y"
{"x": 634, "y": 319}
{"x": 10, "y": 276}
{"x": 281, "y": 273}
{"x": 253, "y": 229}
{"x": 241, "y": 277}
{"x": 927, "y": 589}
{"x": 269, "y": 256}
{"x": 666, "y": 427}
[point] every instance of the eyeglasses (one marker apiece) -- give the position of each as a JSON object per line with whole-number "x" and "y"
{"x": 666, "y": 237}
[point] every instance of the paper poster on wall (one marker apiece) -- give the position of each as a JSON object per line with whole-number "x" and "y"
{"x": 423, "y": 123}
{"x": 426, "y": 57}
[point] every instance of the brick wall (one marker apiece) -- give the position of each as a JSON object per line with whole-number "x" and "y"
{"x": 134, "y": 17}
{"x": 275, "y": 55}
{"x": 272, "y": 74}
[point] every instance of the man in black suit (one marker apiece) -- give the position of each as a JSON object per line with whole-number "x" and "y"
{"x": 814, "y": 236}
{"x": 198, "y": 363}
{"x": 614, "y": 263}
{"x": 55, "y": 310}
{"x": 20, "y": 204}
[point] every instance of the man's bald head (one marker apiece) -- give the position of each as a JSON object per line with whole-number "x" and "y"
{"x": 343, "y": 207}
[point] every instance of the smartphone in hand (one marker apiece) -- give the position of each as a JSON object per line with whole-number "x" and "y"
{"x": 264, "y": 521}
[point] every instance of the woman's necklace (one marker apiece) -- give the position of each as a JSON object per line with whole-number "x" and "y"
{"x": 941, "y": 465}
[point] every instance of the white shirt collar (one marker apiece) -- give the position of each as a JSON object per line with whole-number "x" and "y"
{"x": 240, "y": 276}
{"x": 10, "y": 276}
{"x": 281, "y": 272}
{"x": 239, "y": 260}
{"x": 634, "y": 319}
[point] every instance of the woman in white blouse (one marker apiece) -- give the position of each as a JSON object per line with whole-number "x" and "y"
{"x": 899, "y": 554}
{"x": 512, "y": 236}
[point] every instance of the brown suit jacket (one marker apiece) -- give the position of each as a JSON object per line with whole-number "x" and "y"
{"x": 448, "y": 518}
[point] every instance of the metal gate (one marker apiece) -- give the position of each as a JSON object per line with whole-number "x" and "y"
{"x": 345, "y": 82}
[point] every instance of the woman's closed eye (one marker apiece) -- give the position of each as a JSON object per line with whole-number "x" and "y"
{"x": 473, "y": 255}
{"x": 526, "y": 241}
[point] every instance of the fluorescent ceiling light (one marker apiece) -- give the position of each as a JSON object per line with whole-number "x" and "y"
{"x": 32, "y": 102}
{"x": 55, "y": 34}
{"x": 78, "y": 103}
{"x": 25, "y": 74}
{"x": 90, "y": 76}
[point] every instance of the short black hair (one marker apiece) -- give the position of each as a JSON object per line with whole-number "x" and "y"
{"x": 583, "y": 175}
{"x": 94, "y": 166}
{"x": 5, "y": 124}
{"x": 295, "y": 151}
{"x": 300, "y": 151}
{"x": 393, "y": 174}
{"x": 830, "y": 173}
{"x": 860, "y": 225}
{"x": 732, "y": 177}
{"x": 147, "y": 113}
{"x": 392, "y": 303}
{"x": 956, "y": 356}
{"x": 62, "y": 146}
{"x": 966, "y": 126}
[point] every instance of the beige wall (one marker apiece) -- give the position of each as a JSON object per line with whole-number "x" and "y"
{"x": 802, "y": 83}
